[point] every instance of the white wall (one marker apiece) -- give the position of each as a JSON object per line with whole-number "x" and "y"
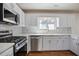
{"x": 75, "y": 25}
{"x": 31, "y": 18}
{"x": 66, "y": 19}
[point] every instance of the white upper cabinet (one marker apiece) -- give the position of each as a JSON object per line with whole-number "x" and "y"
{"x": 9, "y": 6}
{"x": 22, "y": 19}
{"x": 21, "y": 15}
{"x": 17, "y": 10}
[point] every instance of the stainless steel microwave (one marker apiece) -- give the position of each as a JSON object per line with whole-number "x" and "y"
{"x": 9, "y": 17}
{"x": 6, "y": 16}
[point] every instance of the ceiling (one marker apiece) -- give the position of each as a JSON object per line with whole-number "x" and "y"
{"x": 49, "y": 6}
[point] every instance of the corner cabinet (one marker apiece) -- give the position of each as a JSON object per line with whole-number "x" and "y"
{"x": 75, "y": 46}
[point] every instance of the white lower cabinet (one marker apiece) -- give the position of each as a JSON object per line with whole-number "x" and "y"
{"x": 65, "y": 44}
{"x": 40, "y": 43}
{"x": 8, "y": 52}
{"x": 46, "y": 44}
{"x": 50, "y": 43}
{"x": 53, "y": 44}
{"x": 59, "y": 45}
{"x": 75, "y": 46}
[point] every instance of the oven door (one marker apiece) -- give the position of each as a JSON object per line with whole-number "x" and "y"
{"x": 19, "y": 45}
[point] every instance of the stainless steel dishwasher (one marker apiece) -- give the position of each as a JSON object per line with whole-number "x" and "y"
{"x": 34, "y": 43}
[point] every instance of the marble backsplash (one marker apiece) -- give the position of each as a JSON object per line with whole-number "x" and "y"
{"x": 16, "y": 30}
{"x": 59, "y": 30}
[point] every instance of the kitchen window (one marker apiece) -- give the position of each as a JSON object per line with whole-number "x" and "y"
{"x": 49, "y": 23}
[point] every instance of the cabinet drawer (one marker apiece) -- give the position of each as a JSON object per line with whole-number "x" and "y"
{"x": 8, "y": 52}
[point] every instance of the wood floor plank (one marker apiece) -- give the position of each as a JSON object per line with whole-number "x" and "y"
{"x": 52, "y": 53}
{"x": 47, "y": 53}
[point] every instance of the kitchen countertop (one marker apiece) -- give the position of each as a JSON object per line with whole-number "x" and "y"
{"x": 5, "y": 46}
{"x": 48, "y": 34}
{"x": 40, "y": 34}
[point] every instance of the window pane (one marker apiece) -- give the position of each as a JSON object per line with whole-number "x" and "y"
{"x": 43, "y": 24}
{"x": 48, "y": 22}
{"x": 51, "y": 26}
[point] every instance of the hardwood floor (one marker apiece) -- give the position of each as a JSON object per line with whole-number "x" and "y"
{"x": 47, "y": 53}
{"x": 52, "y": 53}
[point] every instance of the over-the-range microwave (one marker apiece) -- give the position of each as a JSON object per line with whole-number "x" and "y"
{"x": 7, "y": 16}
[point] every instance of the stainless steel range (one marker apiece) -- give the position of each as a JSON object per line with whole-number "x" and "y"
{"x": 19, "y": 41}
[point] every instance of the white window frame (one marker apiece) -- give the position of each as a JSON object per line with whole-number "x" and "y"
{"x": 57, "y": 24}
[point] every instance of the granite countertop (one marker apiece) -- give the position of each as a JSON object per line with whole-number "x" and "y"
{"x": 5, "y": 46}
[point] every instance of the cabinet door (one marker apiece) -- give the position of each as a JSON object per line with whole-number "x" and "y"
{"x": 73, "y": 46}
{"x": 22, "y": 19}
{"x": 40, "y": 44}
{"x": 46, "y": 44}
{"x": 65, "y": 44}
{"x": 8, "y": 52}
{"x": 50, "y": 43}
{"x": 20, "y": 14}
{"x": 28, "y": 44}
{"x": 54, "y": 43}
{"x": 59, "y": 44}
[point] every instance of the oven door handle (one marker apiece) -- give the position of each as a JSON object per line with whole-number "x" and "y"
{"x": 18, "y": 47}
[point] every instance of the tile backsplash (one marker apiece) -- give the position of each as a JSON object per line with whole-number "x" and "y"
{"x": 59, "y": 30}
{"x": 16, "y": 30}
{"x": 4, "y": 27}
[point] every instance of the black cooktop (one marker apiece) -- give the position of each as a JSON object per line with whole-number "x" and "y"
{"x": 12, "y": 39}
{"x": 6, "y": 37}
{"x": 18, "y": 38}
